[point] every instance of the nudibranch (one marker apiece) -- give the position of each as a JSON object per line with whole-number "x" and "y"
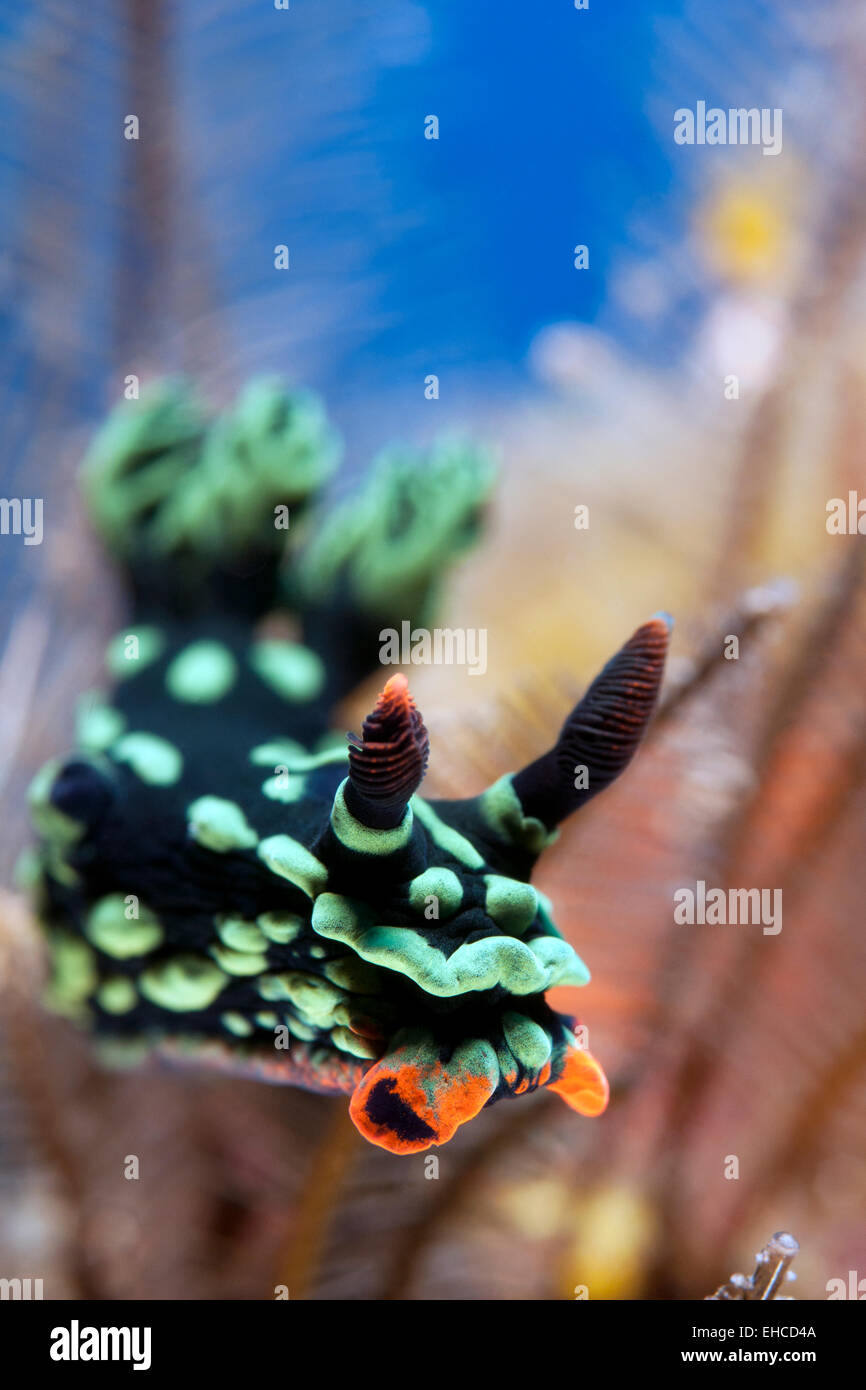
{"x": 227, "y": 883}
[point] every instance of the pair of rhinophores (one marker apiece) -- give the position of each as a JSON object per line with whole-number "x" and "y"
{"x": 218, "y": 872}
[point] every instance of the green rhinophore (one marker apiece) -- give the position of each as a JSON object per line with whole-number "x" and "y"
{"x": 183, "y": 983}
{"x": 153, "y": 759}
{"x": 293, "y": 671}
{"x": 502, "y": 811}
{"x": 130, "y": 651}
{"x": 220, "y": 825}
{"x": 445, "y": 836}
{"x": 109, "y": 928}
{"x": 202, "y": 673}
{"x": 442, "y": 884}
{"x": 293, "y": 861}
{"x": 351, "y": 833}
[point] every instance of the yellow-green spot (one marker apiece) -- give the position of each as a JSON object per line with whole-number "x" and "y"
{"x": 291, "y": 860}
{"x": 220, "y": 825}
{"x": 117, "y": 995}
{"x": 293, "y": 671}
{"x": 97, "y": 724}
{"x": 151, "y": 758}
{"x": 285, "y": 786}
{"x": 236, "y": 1023}
{"x": 351, "y": 833}
{"x": 239, "y": 935}
{"x": 445, "y": 836}
{"x": 183, "y": 983}
{"x": 54, "y": 824}
{"x": 110, "y": 929}
{"x": 202, "y": 673}
{"x": 74, "y": 975}
{"x": 266, "y": 1019}
{"x": 277, "y": 752}
{"x": 133, "y": 649}
{"x": 301, "y": 1030}
{"x": 238, "y": 962}
{"x": 280, "y": 927}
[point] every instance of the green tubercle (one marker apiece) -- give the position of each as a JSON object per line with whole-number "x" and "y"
{"x": 220, "y": 825}
{"x": 287, "y": 753}
{"x": 153, "y": 759}
{"x": 183, "y": 983}
{"x": 97, "y": 724}
{"x": 442, "y": 884}
{"x": 117, "y": 995}
{"x": 526, "y": 1040}
{"x": 110, "y": 929}
{"x": 280, "y": 927}
{"x": 293, "y": 861}
{"x": 202, "y": 673}
{"x": 315, "y": 999}
{"x": 238, "y": 962}
{"x": 239, "y": 935}
{"x": 284, "y": 787}
{"x": 445, "y": 836}
{"x": 293, "y": 671}
{"x": 521, "y": 968}
{"x": 236, "y": 1023}
{"x": 347, "y": 1041}
{"x": 58, "y": 829}
{"x": 360, "y": 838}
{"x": 74, "y": 975}
{"x": 130, "y": 651}
{"x": 511, "y": 903}
{"x": 503, "y": 813}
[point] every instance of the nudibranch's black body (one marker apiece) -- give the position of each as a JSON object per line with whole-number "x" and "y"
{"x": 221, "y": 878}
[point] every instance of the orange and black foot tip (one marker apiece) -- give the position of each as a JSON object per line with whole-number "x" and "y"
{"x": 406, "y": 1107}
{"x": 582, "y": 1084}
